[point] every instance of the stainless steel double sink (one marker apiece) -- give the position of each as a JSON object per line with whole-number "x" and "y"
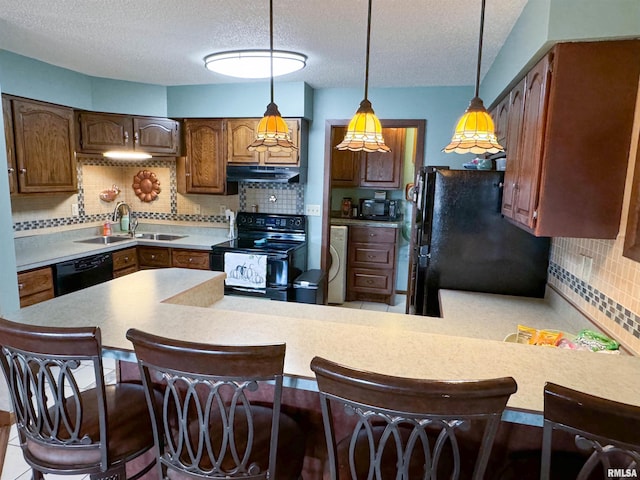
{"x": 109, "y": 239}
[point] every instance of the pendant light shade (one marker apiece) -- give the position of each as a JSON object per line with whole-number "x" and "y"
{"x": 272, "y": 134}
{"x": 475, "y": 131}
{"x": 364, "y": 133}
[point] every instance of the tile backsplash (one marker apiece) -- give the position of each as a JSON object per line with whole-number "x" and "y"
{"x": 96, "y": 174}
{"x": 600, "y": 282}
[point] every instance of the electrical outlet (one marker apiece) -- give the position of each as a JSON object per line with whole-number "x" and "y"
{"x": 74, "y": 209}
{"x": 587, "y": 265}
{"x": 223, "y": 210}
{"x": 196, "y": 208}
{"x": 312, "y": 210}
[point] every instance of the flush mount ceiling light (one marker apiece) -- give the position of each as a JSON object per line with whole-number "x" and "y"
{"x": 364, "y": 133}
{"x": 272, "y": 134}
{"x": 254, "y": 63}
{"x": 125, "y": 155}
{"x": 475, "y": 131}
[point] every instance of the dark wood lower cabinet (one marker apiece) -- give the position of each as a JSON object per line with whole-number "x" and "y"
{"x": 35, "y": 286}
{"x": 371, "y": 272}
{"x": 154, "y": 257}
{"x": 125, "y": 262}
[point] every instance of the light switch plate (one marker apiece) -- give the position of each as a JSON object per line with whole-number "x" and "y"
{"x": 313, "y": 210}
{"x": 74, "y": 210}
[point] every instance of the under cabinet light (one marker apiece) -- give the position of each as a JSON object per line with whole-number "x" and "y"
{"x": 126, "y": 155}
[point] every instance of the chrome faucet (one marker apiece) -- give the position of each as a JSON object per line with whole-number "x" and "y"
{"x": 133, "y": 224}
{"x": 117, "y": 211}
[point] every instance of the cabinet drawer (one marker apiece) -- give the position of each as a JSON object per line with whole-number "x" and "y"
{"x": 154, "y": 257}
{"x": 190, "y": 259}
{"x": 127, "y": 258}
{"x": 371, "y": 281}
{"x": 372, "y": 234}
{"x": 372, "y": 255}
{"x": 125, "y": 271}
{"x": 35, "y": 286}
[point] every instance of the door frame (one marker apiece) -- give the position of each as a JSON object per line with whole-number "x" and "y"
{"x": 421, "y": 128}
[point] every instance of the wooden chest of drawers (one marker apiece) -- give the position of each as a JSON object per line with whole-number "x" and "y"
{"x": 371, "y": 263}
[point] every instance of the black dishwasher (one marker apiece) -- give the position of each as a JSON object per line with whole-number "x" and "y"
{"x": 84, "y": 272}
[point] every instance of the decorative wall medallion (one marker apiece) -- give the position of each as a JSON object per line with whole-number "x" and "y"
{"x": 110, "y": 194}
{"x": 146, "y": 186}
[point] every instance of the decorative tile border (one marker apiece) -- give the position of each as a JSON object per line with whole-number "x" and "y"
{"x": 609, "y": 307}
{"x": 297, "y": 188}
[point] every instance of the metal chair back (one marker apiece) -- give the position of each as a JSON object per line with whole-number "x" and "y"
{"x": 608, "y": 431}
{"x": 212, "y": 420}
{"x": 407, "y": 428}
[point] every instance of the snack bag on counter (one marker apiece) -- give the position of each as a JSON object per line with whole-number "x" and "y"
{"x": 532, "y": 336}
{"x": 595, "y": 341}
{"x": 526, "y": 334}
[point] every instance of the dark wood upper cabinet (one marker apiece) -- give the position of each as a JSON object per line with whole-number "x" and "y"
{"x": 203, "y": 168}
{"x": 8, "y": 140}
{"x": 241, "y": 132}
{"x": 568, "y": 140}
{"x": 101, "y": 132}
{"x": 631, "y": 247}
{"x": 384, "y": 170}
{"x": 368, "y": 170}
{"x": 43, "y": 143}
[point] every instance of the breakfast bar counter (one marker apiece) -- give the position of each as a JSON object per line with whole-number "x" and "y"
{"x": 190, "y": 305}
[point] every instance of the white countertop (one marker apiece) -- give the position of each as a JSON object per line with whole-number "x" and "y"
{"x": 389, "y": 343}
{"x": 42, "y": 250}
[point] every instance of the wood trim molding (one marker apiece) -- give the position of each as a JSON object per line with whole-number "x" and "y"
{"x": 6, "y": 420}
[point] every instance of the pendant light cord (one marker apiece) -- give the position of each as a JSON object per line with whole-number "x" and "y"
{"x": 480, "y": 49}
{"x": 271, "y": 44}
{"x": 366, "y": 68}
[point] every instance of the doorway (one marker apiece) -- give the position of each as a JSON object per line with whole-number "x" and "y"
{"x": 412, "y": 134}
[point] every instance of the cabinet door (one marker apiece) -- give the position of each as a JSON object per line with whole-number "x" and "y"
{"x": 345, "y": 164}
{"x": 125, "y": 262}
{"x": 500, "y": 115}
{"x": 383, "y": 170}
{"x": 35, "y": 286}
{"x": 196, "y": 259}
{"x": 531, "y": 144}
{"x": 155, "y": 135}
{"x": 44, "y": 147}
{"x": 240, "y": 134}
{"x": 514, "y": 128}
{"x": 100, "y": 132}
{"x": 286, "y": 158}
{"x": 8, "y": 139}
{"x": 154, "y": 257}
{"x": 204, "y": 165}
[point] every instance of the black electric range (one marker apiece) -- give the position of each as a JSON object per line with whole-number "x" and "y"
{"x": 269, "y": 253}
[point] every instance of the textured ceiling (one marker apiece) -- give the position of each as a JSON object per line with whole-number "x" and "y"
{"x": 413, "y": 42}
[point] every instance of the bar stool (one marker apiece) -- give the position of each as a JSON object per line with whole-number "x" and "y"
{"x": 408, "y": 428}
{"x": 63, "y": 430}
{"x": 608, "y": 431}
{"x": 213, "y": 420}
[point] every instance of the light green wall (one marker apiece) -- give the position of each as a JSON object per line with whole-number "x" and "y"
{"x": 9, "y": 300}
{"x": 237, "y": 100}
{"x": 545, "y": 22}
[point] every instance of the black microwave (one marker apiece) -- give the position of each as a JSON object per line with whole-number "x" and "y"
{"x": 372, "y": 209}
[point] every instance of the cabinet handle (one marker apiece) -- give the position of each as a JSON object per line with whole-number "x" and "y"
{"x": 20, "y": 286}
{"x": 372, "y": 234}
{"x": 126, "y": 137}
{"x": 136, "y": 138}
{"x": 153, "y": 257}
{"x": 11, "y": 170}
{"x": 22, "y": 170}
{"x": 190, "y": 259}
{"x": 369, "y": 281}
{"x": 126, "y": 259}
{"x": 370, "y": 257}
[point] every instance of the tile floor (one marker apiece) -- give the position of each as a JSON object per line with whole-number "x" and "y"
{"x": 14, "y": 465}
{"x": 399, "y": 307}
{"x": 15, "y": 468}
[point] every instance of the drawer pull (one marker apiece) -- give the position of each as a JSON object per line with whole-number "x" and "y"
{"x": 20, "y": 286}
{"x": 153, "y": 257}
{"x": 369, "y": 281}
{"x": 371, "y": 257}
{"x": 126, "y": 259}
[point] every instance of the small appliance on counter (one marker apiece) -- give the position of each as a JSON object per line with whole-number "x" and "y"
{"x": 379, "y": 209}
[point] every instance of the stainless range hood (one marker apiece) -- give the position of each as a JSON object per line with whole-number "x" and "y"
{"x": 261, "y": 173}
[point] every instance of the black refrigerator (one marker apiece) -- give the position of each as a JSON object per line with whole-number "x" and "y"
{"x": 461, "y": 241}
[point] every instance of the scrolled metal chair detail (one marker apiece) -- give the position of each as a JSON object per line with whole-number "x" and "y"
{"x": 64, "y": 429}
{"x": 219, "y": 416}
{"x": 407, "y": 428}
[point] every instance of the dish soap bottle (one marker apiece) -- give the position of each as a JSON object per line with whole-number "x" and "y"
{"x": 106, "y": 229}
{"x": 124, "y": 222}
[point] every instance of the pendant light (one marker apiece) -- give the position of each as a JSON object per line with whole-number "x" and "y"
{"x": 272, "y": 134}
{"x": 475, "y": 131}
{"x": 364, "y": 133}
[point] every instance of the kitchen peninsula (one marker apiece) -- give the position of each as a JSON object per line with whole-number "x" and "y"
{"x": 190, "y": 305}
